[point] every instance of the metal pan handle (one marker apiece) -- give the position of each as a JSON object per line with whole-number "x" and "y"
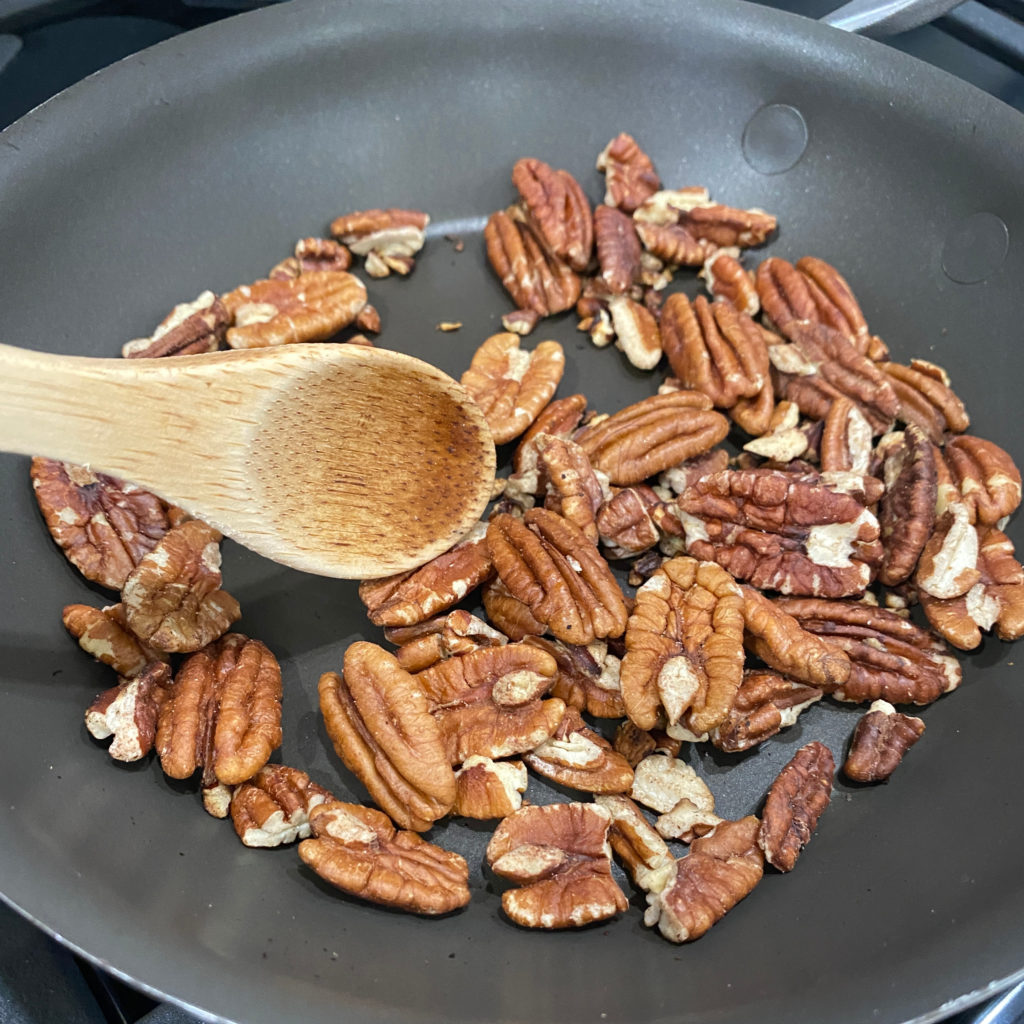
{"x": 886, "y": 17}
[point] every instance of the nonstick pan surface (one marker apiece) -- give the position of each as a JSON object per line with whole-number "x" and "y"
{"x": 196, "y": 165}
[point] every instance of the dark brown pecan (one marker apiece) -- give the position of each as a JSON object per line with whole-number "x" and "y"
{"x": 765, "y": 703}
{"x": 103, "y": 525}
{"x": 189, "y": 329}
{"x": 881, "y": 738}
{"x": 618, "y": 249}
{"x": 273, "y": 807}
{"x": 926, "y": 399}
{"x": 846, "y": 439}
{"x": 129, "y": 712}
{"x": 105, "y": 635}
{"x": 577, "y": 757}
{"x": 652, "y": 435}
{"x": 719, "y": 871}
{"x": 587, "y": 678}
{"x": 986, "y": 476}
{"x": 556, "y": 209}
{"x": 890, "y": 656}
{"x": 798, "y": 534}
{"x": 796, "y": 800}
{"x": 629, "y": 174}
{"x": 906, "y": 511}
{"x": 634, "y": 743}
{"x": 729, "y": 281}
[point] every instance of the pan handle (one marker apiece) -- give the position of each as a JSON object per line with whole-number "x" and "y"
{"x": 886, "y": 17}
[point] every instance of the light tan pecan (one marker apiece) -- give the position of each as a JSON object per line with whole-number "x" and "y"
{"x": 103, "y": 525}
{"x": 546, "y": 562}
{"x": 846, "y": 439}
{"x": 780, "y": 641}
{"x": 986, "y": 476}
{"x": 360, "y": 852}
{"x": 511, "y": 615}
{"x": 447, "y": 636}
{"x": 389, "y": 239}
{"x": 222, "y": 713}
{"x": 558, "y": 857}
{"x": 512, "y": 385}
{"x": 673, "y": 788}
{"x": 795, "y": 533}
{"x": 273, "y": 807}
{"x": 948, "y": 566}
{"x": 487, "y": 789}
{"x": 189, "y": 329}
{"x": 684, "y": 647}
{"x": 890, "y": 656}
{"x": 785, "y": 440}
{"x": 714, "y": 348}
{"x": 635, "y": 331}
{"x": 587, "y": 677}
{"x": 629, "y": 174}
{"x": 129, "y": 712}
{"x": 651, "y": 435}
{"x": 906, "y": 511}
{"x": 618, "y": 250}
{"x": 414, "y": 596}
{"x": 720, "y": 870}
{"x": 321, "y": 254}
{"x": 926, "y": 399}
{"x": 536, "y": 280}
{"x": 579, "y": 758}
{"x": 821, "y": 364}
{"x": 641, "y": 851}
{"x": 729, "y": 281}
{"x": 104, "y": 634}
{"x": 172, "y": 598}
{"x": 556, "y": 209}
{"x": 573, "y": 489}
{"x": 880, "y": 739}
{"x": 313, "y": 307}
{"x": 796, "y": 800}
{"x": 634, "y": 743}
{"x": 377, "y": 717}
{"x": 765, "y": 703}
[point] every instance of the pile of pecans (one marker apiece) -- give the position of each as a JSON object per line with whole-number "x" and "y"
{"x": 749, "y": 585}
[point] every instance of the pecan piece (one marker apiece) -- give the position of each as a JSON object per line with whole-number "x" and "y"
{"x": 795, "y": 533}
{"x": 103, "y": 525}
{"x": 729, "y": 281}
{"x": 556, "y": 209}
{"x": 587, "y": 678}
{"x": 629, "y": 175}
{"x": 846, "y": 439}
{"x": 784, "y": 441}
{"x": 925, "y": 398}
{"x": 511, "y": 385}
{"x": 714, "y": 348}
{"x": 579, "y": 758}
{"x": 487, "y": 789}
{"x": 880, "y": 739}
{"x": 414, "y": 596}
{"x": 727, "y": 226}
{"x": 537, "y": 281}
{"x": 618, "y": 250}
{"x": 627, "y": 522}
{"x": 634, "y": 743}
{"x": 890, "y": 656}
{"x": 796, "y": 800}
{"x": 652, "y": 435}
{"x": 313, "y": 307}
{"x": 509, "y": 613}
{"x": 273, "y": 807}
{"x": 558, "y": 856}
{"x": 190, "y": 328}
{"x": 573, "y": 488}
{"x": 948, "y": 566}
{"x": 448, "y": 636}
{"x": 172, "y": 598}
{"x": 389, "y": 239}
{"x": 986, "y": 476}
{"x": 684, "y": 647}
{"x": 636, "y": 332}
{"x": 129, "y": 712}
{"x": 719, "y": 871}
{"x": 643, "y": 853}
{"x": 321, "y": 254}
{"x": 765, "y": 703}
{"x": 547, "y": 563}
{"x": 360, "y": 852}
{"x": 673, "y": 788}
{"x": 222, "y": 713}
{"x": 105, "y": 635}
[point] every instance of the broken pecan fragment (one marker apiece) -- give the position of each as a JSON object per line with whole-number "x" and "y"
{"x": 273, "y": 807}
{"x": 785, "y": 440}
{"x": 796, "y": 800}
{"x": 129, "y": 712}
{"x": 765, "y": 703}
{"x": 322, "y": 254}
{"x": 635, "y": 331}
{"x": 312, "y": 307}
{"x": 172, "y": 598}
{"x": 447, "y": 636}
{"x": 629, "y": 174}
{"x": 190, "y": 328}
{"x": 548, "y": 564}
{"x": 105, "y": 635}
{"x": 643, "y": 853}
{"x": 587, "y": 678}
{"x": 487, "y": 789}
{"x": 222, "y": 713}
{"x": 573, "y": 488}
{"x": 673, "y": 788}
{"x": 846, "y": 439}
{"x": 103, "y": 525}
{"x": 556, "y": 209}
{"x": 926, "y": 399}
{"x": 509, "y": 613}
{"x": 651, "y": 435}
{"x": 618, "y": 250}
{"x": 359, "y": 851}
{"x": 389, "y": 239}
{"x": 986, "y": 476}
{"x": 948, "y": 566}
{"x": 881, "y": 737}
{"x": 684, "y": 647}
{"x": 558, "y": 856}
{"x": 511, "y": 385}
{"x": 719, "y": 871}
{"x": 377, "y": 717}
{"x": 579, "y": 758}
{"x": 729, "y": 281}
{"x": 634, "y": 743}
{"x": 627, "y": 522}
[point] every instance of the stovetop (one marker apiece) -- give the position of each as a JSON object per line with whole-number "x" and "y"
{"x": 47, "y": 45}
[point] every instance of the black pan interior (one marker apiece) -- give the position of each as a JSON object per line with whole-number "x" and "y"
{"x": 196, "y": 165}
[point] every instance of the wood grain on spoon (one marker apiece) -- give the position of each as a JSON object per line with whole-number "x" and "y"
{"x": 335, "y": 459}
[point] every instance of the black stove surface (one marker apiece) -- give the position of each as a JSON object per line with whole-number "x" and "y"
{"x": 47, "y": 45}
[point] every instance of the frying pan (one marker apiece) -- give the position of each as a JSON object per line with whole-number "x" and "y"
{"x": 196, "y": 165}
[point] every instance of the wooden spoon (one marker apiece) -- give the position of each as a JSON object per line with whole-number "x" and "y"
{"x": 341, "y": 460}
